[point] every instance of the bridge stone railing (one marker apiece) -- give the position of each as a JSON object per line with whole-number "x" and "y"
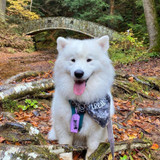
{"x": 89, "y": 28}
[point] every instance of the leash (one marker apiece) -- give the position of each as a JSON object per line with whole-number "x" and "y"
{"x": 111, "y": 137}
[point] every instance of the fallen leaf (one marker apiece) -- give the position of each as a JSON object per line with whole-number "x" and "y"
{"x": 110, "y": 157}
{"x": 1, "y": 139}
{"x": 8, "y": 142}
{"x": 132, "y": 136}
{"x": 154, "y": 146}
{"x": 130, "y": 79}
{"x": 157, "y": 121}
{"x": 17, "y": 144}
{"x": 51, "y": 91}
{"x": 35, "y": 124}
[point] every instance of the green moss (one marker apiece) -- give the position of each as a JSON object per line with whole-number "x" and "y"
{"x": 100, "y": 152}
{"x": 39, "y": 152}
{"x": 154, "y": 81}
{"x": 9, "y": 105}
{"x": 147, "y": 87}
{"x": 38, "y": 138}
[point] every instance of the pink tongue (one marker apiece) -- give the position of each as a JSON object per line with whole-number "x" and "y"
{"x": 79, "y": 88}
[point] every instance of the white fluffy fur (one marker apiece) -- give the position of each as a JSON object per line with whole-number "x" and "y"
{"x": 101, "y": 75}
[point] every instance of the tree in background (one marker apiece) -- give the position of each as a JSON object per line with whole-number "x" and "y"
{"x": 20, "y": 8}
{"x": 114, "y": 14}
{"x": 119, "y": 15}
{"x": 31, "y": 5}
{"x": 152, "y": 25}
{"x": 2, "y": 9}
{"x": 49, "y": 8}
{"x": 111, "y": 7}
{"x": 93, "y": 10}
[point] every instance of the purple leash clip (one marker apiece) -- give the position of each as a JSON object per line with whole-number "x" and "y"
{"x": 74, "y": 125}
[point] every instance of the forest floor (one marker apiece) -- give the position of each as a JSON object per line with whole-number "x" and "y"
{"x": 14, "y": 63}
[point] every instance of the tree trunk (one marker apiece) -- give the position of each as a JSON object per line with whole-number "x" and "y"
{"x": 104, "y": 148}
{"x": 23, "y": 89}
{"x": 111, "y": 7}
{"x": 31, "y": 5}
{"x": 2, "y": 9}
{"x": 149, "y": 110}
{"x": 152, "y": 25}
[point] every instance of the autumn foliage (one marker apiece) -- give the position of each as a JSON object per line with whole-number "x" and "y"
{"x": 20, "y": 8}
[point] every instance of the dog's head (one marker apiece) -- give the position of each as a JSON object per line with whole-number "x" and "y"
{"x": 82, "y": 60}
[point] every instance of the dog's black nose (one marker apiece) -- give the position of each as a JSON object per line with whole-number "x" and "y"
{"x": 78, "y": 73}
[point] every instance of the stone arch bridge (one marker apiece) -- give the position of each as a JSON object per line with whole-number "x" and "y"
{"x": 88, "y": 28}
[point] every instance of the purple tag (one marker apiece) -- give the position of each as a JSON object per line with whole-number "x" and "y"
{"x": 74, "y": 123}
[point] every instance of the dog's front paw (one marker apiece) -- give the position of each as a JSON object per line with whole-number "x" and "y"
{"x": 52, "y": 134}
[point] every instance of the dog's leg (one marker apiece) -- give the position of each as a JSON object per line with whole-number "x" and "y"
{"x": 63, "y": 135}
{"x": 60, "y": 131}
{"x": 65, "y": 139}
{"x": 92, "y": 144}
{"x": 52, "y": 134}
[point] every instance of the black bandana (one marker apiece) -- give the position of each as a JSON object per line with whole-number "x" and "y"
{"x": 98, "y": 110}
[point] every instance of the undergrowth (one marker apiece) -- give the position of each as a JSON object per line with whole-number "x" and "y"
{"x": 13, "y": 105}
{"x": 9, "y": 37}
{"x": 32, "y": 104}
{"x": 129, "y": 49}
{"x": 9, "y": 105}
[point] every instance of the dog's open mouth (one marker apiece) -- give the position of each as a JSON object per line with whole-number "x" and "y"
{"x": 79, "y": 87}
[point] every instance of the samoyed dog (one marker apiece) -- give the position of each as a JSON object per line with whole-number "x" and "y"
{"x": 83, "y": 73}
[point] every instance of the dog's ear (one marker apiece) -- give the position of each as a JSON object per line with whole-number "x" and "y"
{"x": 61, "y": 43}
{"x": 104, "y": 42}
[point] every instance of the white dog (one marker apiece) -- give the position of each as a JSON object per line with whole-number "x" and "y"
{"x": 83, "y": 74}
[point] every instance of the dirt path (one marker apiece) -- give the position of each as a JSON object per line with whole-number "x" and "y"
{"x": 13, "y": 63}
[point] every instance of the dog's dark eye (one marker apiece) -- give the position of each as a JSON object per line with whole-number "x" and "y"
{"x": 73, "y": 60}
{"x": 89, "y": 60}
